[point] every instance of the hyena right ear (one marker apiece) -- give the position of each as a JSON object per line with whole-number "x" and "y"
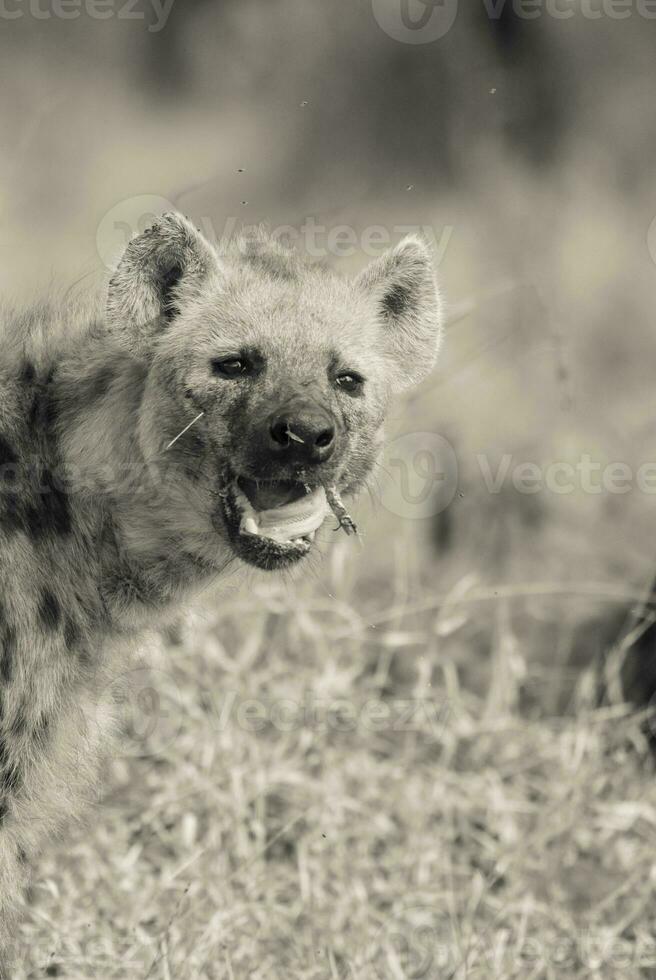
{"x": 160, "y": 269}
{"x": 409, "y": 308}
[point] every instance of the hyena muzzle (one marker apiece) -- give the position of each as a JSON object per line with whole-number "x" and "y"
{"x": 213, "y": 413}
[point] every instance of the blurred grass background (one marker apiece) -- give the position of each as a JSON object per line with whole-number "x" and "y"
{"x": 519, "y": 829}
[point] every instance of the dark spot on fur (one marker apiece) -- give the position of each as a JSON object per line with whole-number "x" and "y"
{"x": 7, "y": 453}
{"x": 46, "y": 510}
{"x": 33, "y": 522}
{"x": 11, "y": 510}
{"x": 397, "y": 300}
{"x": 11, "y": 515}
{"x": 50, "y": 411}
{"x": 51, "y": 513}
{"x": 11, "y": 779}
{"x": 94, "y": 386}
{"x": 49, "y": 610}
{"x": 35, "y": 412}
{"x": 19, "y": 723}
{"x": 56, "y": 510}
{"x": 10, "y": 775}
{"x": 8, "y": 475}
{"x": 71, "y": 633}
{"x": 7, "y": 652}
{"x": 43, "y": 412}
{"x": 102, "y": 380}
{"x": 28, "y": 373}
{"x": 125, "y": 588}
{"x": 194, "y": 449}
{"x": 3, "y": 810}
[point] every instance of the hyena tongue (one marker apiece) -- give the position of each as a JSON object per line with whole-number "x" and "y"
{"x": 266, "y": 495}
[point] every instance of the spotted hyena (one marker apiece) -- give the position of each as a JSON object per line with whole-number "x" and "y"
{"x": 213, "y": 413}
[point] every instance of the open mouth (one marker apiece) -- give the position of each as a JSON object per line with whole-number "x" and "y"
{"x": 280, "y": 510}
{"x": 272, "y": 523}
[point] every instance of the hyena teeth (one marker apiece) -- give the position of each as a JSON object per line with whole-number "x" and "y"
{"x": 346, "y": 522}
{"x": 250, "y": 525}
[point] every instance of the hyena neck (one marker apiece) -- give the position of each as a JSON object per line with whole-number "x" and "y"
{"x": 129, "y": 502}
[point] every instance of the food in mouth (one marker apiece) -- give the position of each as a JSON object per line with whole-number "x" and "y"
{"x": 336, "y": 504}
{"x": 282, "y": 511}
{"x": 273, "y": 523}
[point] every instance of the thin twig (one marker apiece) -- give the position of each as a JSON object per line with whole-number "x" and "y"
{"x": 186, "y": 429}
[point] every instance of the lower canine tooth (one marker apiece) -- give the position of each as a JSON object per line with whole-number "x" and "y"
{"x": 250, "y": 525}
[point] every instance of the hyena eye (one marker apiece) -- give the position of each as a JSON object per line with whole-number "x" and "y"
{"x": 230, "y": 367}
{"x": 350, "y": 382}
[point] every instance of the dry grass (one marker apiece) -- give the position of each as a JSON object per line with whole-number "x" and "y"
{"x": 316, "y": 795}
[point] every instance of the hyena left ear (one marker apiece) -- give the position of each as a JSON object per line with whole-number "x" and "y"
{"x": 402, "y": 285}
{"x": 159, "y": 270}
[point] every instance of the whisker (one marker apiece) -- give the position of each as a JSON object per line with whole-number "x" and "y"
{"x": 186, "y": 429}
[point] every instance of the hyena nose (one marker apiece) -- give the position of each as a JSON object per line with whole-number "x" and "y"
{"x": 306, "y": 434}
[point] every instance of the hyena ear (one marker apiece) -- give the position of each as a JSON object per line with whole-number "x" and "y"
{"x": 402, "y": 285}
{"x": 160, "y": 269}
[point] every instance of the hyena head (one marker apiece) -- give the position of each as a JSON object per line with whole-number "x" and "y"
{"x": 291, "y": 366}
